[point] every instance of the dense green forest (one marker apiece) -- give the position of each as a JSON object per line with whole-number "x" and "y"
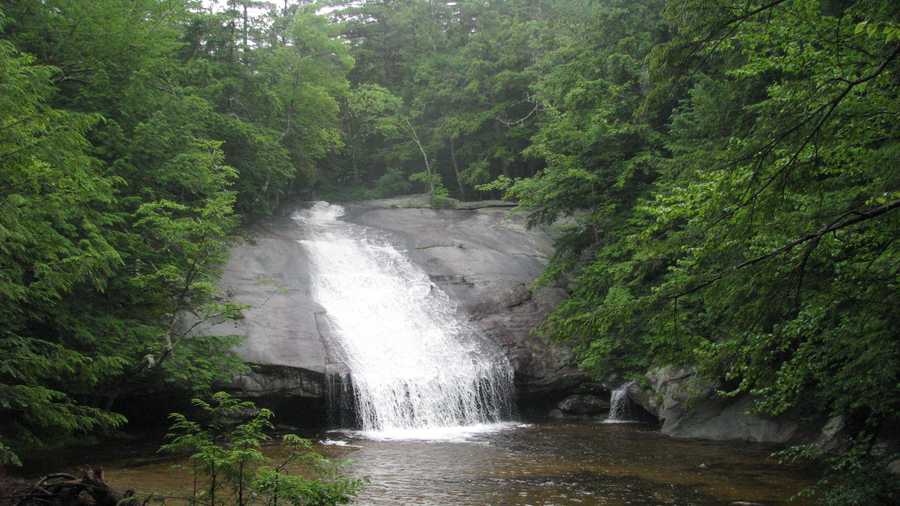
{"x": 726, "y": 175}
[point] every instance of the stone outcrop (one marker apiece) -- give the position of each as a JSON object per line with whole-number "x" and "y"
{"x": 689, "y": 407}
{"x": 583, "y": 404}
{"x": 266, "y": 380}
{"x": 482, "y": 256}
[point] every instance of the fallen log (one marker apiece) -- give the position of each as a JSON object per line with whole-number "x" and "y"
{"x": 61, "y": 489}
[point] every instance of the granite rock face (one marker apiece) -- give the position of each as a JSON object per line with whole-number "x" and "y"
{"x": 482, "y": 257}
{"x": 282, "y": 325}
{"x": 486, "y": 260}
{"x": 688, "y": 407}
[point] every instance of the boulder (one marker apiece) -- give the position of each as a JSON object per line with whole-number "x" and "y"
{"x": 832, "y": 436}
{"x": 556, "y": 414}
{"x": 583, "y": 404}
{"x": 894, "y": 467}
{"x": 689, "y": 407}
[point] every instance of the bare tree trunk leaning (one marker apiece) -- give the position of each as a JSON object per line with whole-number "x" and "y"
{"x": 415, "y": 138}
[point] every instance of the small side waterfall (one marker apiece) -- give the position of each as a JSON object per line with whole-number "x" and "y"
{"x": 413, "y": 364}
{"x": 619, "y": 405}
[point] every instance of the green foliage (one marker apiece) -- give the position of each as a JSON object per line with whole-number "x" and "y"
{"x": 734, "y": 214}
{"x": 52, "y": 240}
{"x": 134, "y": 137}
{"x": 370, "y": 119}
{"x": 717, "y": 173}
{"x": 440, "y": 197}
{"x": 446, "y": 81}
{"x": 274, "y": 485}
{"x": 858, "y": 475}
{"x": 392, "y": 183}
{"x": 720, "y": 175}
{"x": 8, "y": 457}
{"x": 227, "y": 450}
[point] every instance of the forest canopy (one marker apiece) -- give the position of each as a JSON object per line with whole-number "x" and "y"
{"x": 724, "y": 174}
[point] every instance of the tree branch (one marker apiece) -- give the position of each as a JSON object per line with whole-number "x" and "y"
{"x": 511, "y": 123}
{"x": 828, "y": 108}
{"x": 839, "y": 223}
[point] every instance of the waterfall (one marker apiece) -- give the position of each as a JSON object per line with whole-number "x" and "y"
{"x": 618, "y": 405}
{"x": 413, "y": 363}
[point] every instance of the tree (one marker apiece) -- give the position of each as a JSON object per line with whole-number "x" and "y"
{"x": 228, "y": 450}
{"x": 135, "y": 137}
{"x": 115, "y": 219}
{"x": 732, "y": 214}
{"x": 51, "y": 240}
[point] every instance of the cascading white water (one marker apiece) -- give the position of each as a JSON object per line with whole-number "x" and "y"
{"x": 414, "y": 364}
{"x": 618, "y": 405}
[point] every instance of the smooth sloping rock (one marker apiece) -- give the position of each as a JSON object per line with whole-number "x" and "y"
{"x": 689, "y": 407}
{"x": 486, "y": 260}
{"x": 483, "y": 257}
{"x": 281, "y": 326}
{"x": 270, "y": 274}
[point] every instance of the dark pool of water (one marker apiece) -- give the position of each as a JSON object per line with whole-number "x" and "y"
{"x": 585, "y": 463}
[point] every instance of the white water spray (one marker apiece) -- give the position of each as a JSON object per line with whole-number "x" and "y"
{"x": 416, "y": 368}
{"x": 618, "y": 405}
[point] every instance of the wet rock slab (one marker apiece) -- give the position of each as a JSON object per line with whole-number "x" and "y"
{"x": 482, "y": 256}
{"x": 486, "y": 260}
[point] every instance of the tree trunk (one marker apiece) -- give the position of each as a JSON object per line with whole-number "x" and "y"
{"x": 241, "y": 484}
{"x": 415, "y": 138}
{"x": 245, "y": 33}
{"x": 212, "y": 488}
{"x": 462, "y": 191}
